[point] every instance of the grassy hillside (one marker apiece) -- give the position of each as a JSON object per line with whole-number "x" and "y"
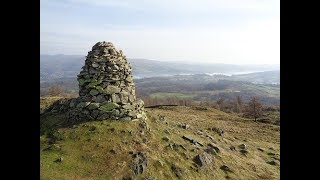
{"x": 104, "y": 149}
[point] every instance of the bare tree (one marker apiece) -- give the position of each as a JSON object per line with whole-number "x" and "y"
{"x": 238, "y": 103}
{"x": 254, "y": 108}
{"x": 55, "y": 90}
{"x": 220, "y": 103}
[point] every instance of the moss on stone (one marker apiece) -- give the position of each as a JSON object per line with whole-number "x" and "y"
{"x": 93, "y": 84}
{"x": 94, "y": 92}
{"x": 108, "y": 106}
{"x": 99, "y": 88}
{"x": 94, "y": 106}
{"x": 117, "y": 83}
{"x": 112, "y": 89}
{"x": 81, "y": 81}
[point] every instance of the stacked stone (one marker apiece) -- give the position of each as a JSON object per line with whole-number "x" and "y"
{"x": 106, "y": 87}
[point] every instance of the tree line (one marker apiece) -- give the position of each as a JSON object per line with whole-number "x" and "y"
{"x": 251, "y": 109}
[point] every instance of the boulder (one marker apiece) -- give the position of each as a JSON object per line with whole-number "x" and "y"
{"x": 185, "y": 126}
{"x": 139, "y": 163}
{"x": 211, "y": 151}
{"x": 203, "y": 159}
{"x": 225, "y": 168}
{"x": 242, "y": 146}
{"x": 166, "y": 138}
{"x": 215, "y": 147}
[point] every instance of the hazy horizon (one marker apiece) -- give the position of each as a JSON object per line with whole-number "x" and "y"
{"x": 170, "y": 60}
{"x": 204, "y": 31}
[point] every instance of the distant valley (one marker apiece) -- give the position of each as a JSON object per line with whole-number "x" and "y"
{"x": 68, "y": 66}
{"x": 159, "y": 79}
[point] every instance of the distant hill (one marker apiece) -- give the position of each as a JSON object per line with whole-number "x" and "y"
{"x": 267, "y": 77}
{"x": 60, "y": 66}
{"x": 66, "y": 66}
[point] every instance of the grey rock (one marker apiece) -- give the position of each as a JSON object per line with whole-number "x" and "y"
{"x": 60, "y": 159}
{"x": 115, "y": 112}
{"x": 242, "y": 146}
{"x": 178, "y": 171}
{"x": 166, "y": 131}
{"x": 185, "y": 126}
{"x": 92, "y": 128}
{"x": 272, "y": 163}
{"x": 94, "y": 92}
{"x": 215, "y": 147}
{"x": 95, "y": 113}
{"x": 52, "y": 147}
{"x": 243, "y": 151}
{"x": 271, "y": 154}
{"x": 149, "y": 178}
{"x": 161, "y": 163}
{"x": 128, "y": 106}
{"x": 131, "y": 98}
{"x": 162, "y": 118}
{"x": 72, "y": 103}
{"x": 166, "y": 138}
{"x": 139, "y": 116}
{"x": 112, "y": 89}
{"x": 218, "y": 130}
{"x": 200, "y": 133}
{"x": 232, "y": 148}
{"x": 139, "y": 163}
{"x": 193, "y": 141}
{"x": 203, "y": 159}
{"x": 82, "y": 104}
{"x": 100, "y": 99}
{"x": 93, "y": 106}
{"x": 125, "y": 118}
{"x": 113, "y": 151}
{"x": 211, "y": 151}
{"x": 95, "y": 65}
{"x": 103, "y": 116}
{"x": 133, "y": 113}
{"x": 225, "y": 168}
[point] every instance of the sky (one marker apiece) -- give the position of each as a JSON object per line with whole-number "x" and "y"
{"x": 211, "y": 31}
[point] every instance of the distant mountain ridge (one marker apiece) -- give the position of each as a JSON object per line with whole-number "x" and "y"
{"x": 67, "y": 66}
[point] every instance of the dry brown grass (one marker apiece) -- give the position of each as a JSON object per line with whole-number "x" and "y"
{"x": 87, "y": 153}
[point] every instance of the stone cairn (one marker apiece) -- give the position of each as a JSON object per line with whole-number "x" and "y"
{"x": 106, "y": 87}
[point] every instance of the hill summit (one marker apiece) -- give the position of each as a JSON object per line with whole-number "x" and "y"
{"x": 106, "y": 87}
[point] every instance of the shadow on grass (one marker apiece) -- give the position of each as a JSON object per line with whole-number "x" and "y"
{"x": 56, "y": 116}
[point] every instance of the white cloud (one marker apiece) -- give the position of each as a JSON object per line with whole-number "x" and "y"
{"x": 255, "y": 41}
{"x": 258, "y": 43}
